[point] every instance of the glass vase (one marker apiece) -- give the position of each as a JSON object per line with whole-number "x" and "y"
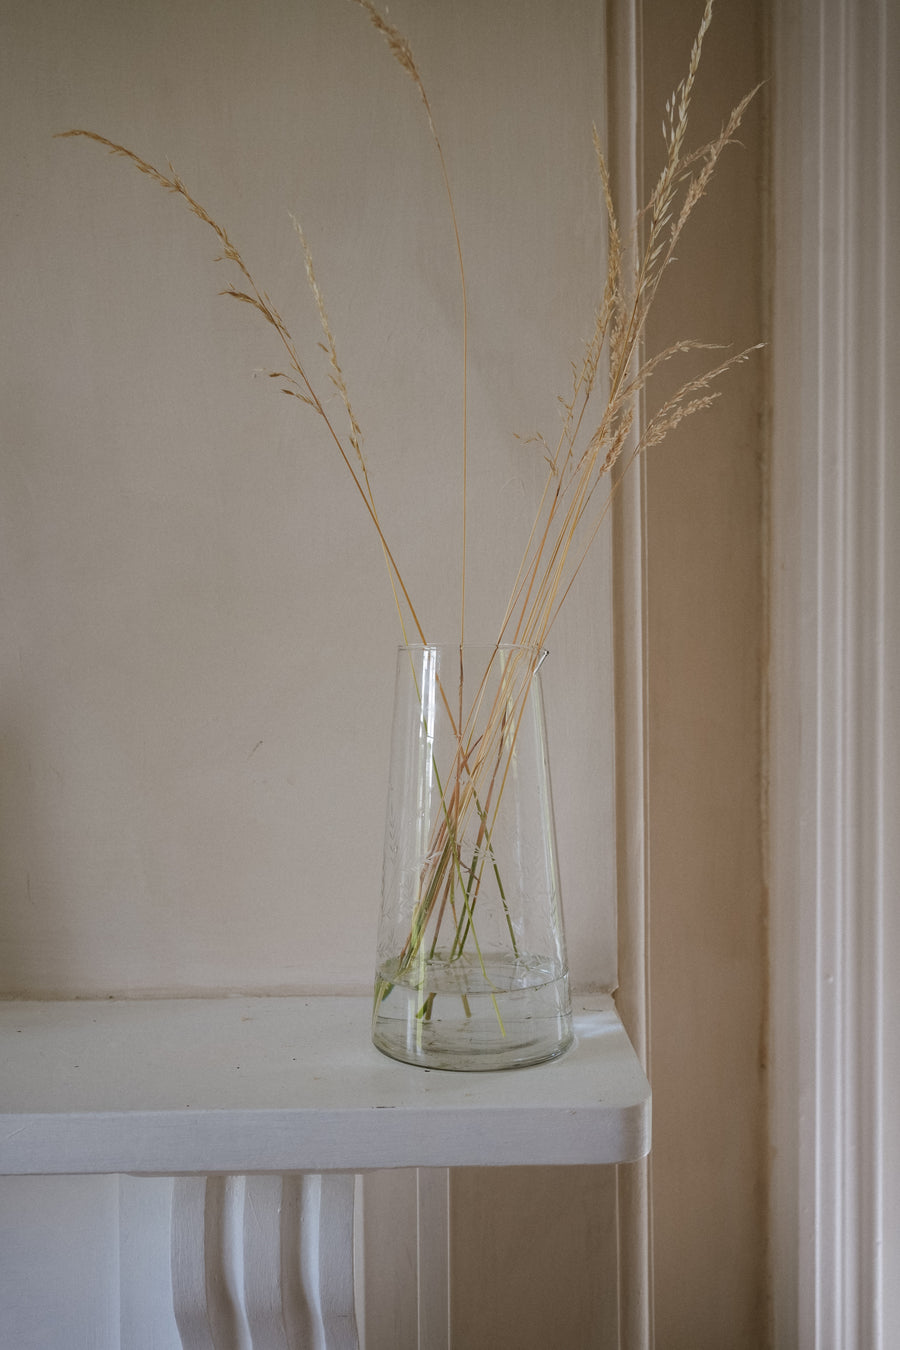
{"x": 471, "y": 961}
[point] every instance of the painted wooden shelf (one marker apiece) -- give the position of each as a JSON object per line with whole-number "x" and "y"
{"x": 246, "y": 1085}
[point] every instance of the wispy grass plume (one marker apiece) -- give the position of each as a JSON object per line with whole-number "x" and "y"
{"x": 600, "y": 430}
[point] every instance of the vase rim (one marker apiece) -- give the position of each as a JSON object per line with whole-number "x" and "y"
{"x": 473, "y": 646}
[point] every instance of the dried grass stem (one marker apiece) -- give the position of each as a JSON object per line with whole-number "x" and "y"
{"x": 600, "y": 432}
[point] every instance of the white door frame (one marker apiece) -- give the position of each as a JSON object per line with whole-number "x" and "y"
{"x": 835, "y": 662}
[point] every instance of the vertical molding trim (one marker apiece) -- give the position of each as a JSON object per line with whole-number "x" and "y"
{"x": 433, "y": 1253}
{"x": 188, "y": 1262}
{"x": 830, "y": 675}
{"x": 625, "y": 121}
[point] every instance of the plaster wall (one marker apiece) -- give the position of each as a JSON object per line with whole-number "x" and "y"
{"x": 198, "y": 631}
{"x": 706, "y": 656}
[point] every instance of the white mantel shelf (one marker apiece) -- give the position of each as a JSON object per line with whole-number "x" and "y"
{"x": 245, "y": 1085}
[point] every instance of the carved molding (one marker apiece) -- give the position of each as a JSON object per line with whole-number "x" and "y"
{"x": 264, "y": 1262}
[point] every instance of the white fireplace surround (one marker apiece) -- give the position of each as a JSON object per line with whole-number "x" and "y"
{"x": 237, "y": 1134}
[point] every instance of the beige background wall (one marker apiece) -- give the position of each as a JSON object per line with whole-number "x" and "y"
{"x": 197, "y": 633}
{"x": 706, "y": 655}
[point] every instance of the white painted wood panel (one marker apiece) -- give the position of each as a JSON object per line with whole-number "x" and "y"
{"x": 271, "y": 1085}
{"x": 433, "y": 1244}
{"x": 146, "y": 1303}
{"x": 188, "y": 1275}
{"x": 198, "y": 1316}
{"x": 59, "y": 1283}
{"x": 389, "y": 1232}
{"x": 836, "y": 672}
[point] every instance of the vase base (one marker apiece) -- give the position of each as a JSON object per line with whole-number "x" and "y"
{"x": 473, "y": 1014}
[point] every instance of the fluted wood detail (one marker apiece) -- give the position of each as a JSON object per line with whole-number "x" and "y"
{"x": 264, "y": 1262}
